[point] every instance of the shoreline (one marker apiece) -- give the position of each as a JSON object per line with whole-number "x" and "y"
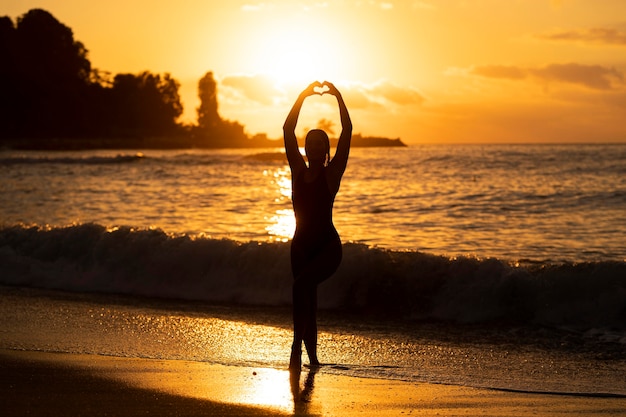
{"x": 42, "y": 383}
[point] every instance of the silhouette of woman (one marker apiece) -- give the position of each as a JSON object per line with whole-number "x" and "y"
{"x": 316, "y": 247}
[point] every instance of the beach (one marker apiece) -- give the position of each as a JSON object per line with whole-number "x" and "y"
{"x": 86, "y": 354}
{"x": 52, "y": 384}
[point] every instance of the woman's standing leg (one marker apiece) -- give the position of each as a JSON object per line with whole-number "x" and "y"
{"x": 299, "y": 323}
{"x": 310, "y": 334}
{"x": 309, "y": 276}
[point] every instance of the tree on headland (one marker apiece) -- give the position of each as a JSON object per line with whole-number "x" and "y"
{"x": 208, "y": 116}
{"x": 212, "y": 130}
{"x": 145, "y": 104}
{"x": 51, "y": 96}
{"x": 49, "y": 89}
{"x": 49, "y": 51}
{"x": 43, "y": 77}
{"x": 9, "y": 98}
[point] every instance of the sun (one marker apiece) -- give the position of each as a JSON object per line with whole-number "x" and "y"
{"x": 297, "y": 52}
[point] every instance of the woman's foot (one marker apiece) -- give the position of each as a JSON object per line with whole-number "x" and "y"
{"x": 295, "y": 361}
{"x": 314, "y": 366}
{"x": 311, "y": 351}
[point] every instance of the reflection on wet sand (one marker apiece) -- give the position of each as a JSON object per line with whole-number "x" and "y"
{"x": 302, "y": 403}
{"x": 265, "y": 388}
{"x": 233, "y": 387}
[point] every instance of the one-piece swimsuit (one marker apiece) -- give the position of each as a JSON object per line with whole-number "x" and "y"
{"x": 315, "y": 232}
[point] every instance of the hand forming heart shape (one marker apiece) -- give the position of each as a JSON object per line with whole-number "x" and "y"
{"x": 321, "y": 89}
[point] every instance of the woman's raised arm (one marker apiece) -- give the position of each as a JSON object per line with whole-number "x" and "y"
{"x": 296, "y": 161}
{"x": 340, "y": 160}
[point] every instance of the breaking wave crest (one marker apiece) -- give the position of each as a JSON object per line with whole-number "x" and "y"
{"x": 394, "y": 284}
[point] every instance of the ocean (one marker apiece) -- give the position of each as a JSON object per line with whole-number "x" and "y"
{"x": 499, "y": 266}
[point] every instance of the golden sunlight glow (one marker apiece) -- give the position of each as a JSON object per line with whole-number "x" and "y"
{"x": 296, "y": 51}
{"x": 270, "y": 388}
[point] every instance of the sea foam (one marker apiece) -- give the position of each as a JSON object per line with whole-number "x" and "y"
{"x": 389, "y": 284}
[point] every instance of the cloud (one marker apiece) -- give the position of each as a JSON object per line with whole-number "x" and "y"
{"x": 253, "y": 7}
{"x": 257, "y": 88}
{"x": 590, "y": 76}
{"x": 601, "y": 36}
{"x": 574, "y": 116}
{"x": 381, "y": 93}
{"x": 261, "y": 89}
{"x": 389, "y": 5}
{"x": 397, "y": 94}
{"x": 356, "y": 97}
{"x": 500, "y": 71}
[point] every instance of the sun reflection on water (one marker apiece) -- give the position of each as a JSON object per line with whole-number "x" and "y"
{"x": 282, "y": 224}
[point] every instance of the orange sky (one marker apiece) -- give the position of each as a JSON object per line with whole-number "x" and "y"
{"x": 423, "y": 70}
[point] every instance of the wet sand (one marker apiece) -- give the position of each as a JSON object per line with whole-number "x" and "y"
{"x": 54, "y": 384}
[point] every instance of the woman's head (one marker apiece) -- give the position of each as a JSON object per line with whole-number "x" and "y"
{"x": 317, "y": 146}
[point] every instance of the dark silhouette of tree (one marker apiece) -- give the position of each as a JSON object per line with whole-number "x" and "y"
{"x": 53, "y": 75}
{"x": 212, "y": 130}
{"x": 208, "y": 115}
{"x": 146, "y": 104}
{"x": 49, "y": 49}
{"x": 10, "y": 100}
{"x": 326, "y": 125}
{"x": 49, "y": 90}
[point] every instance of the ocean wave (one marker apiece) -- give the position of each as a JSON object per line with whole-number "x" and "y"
{"x": 267, "y": 156}
{"x": 385, "y": 283}
{"x": 72, "y": 160}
